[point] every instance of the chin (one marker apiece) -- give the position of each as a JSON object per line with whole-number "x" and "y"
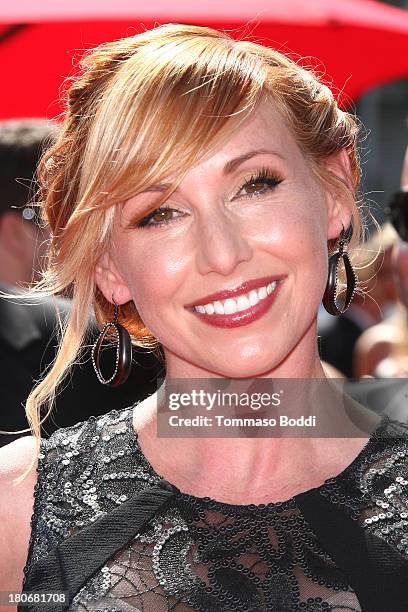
{"x": 248, "y": 366}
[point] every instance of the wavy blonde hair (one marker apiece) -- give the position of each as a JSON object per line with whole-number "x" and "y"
{"x": 146, "y": 107}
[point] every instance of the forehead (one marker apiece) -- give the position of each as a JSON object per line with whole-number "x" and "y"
{"x": 266, "y": 116}
{"x": 264, "y": 131}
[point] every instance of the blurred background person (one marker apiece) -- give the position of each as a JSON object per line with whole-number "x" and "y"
{"x": 21, "y": 239}
{"x": 28, "y": 336}
{"x": 376, "y": 302}
{"x": 382, "y": 351}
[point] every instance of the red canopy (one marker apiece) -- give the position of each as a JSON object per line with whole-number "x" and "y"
{"x": 359, "y": 43}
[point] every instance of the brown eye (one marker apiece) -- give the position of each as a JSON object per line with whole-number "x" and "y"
{"x": 254, "y": 186}
{"x": 259, "y": 184}
{"x": 162, "y": 216}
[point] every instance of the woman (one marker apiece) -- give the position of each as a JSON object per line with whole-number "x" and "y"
{"x": 200, "y": 184}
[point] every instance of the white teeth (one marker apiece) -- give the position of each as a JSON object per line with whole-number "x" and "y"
{"x": 230, "y": 306}
{"x": 253, "y": 297}
{"x": 243, "y": 302}
{"x": 219, "y": 308}
{"x": 209, "y": 309}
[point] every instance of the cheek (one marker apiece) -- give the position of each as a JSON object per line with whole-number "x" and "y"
{"x": 296, "y": 238}
{"x": 153, "y": 269}
{"x": 295, "y": 232}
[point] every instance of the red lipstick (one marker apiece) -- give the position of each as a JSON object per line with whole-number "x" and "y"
{"x": 230, "y": 293}
{"x": 244, "y": 317}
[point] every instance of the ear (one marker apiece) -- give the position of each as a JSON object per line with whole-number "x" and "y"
{"x": 110, "y": 281}
{"x": 339, "y": 206}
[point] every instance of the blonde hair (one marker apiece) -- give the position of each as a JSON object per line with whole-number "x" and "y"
{"x": 143, "y": 108}
{"x": 369, "y": 257}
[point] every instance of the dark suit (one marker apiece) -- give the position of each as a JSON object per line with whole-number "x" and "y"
{"x": 337, "y": 338}
{"x": 28, "y": 344}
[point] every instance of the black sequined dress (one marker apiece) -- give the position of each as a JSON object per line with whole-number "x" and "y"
{"x": 115, "y": 536}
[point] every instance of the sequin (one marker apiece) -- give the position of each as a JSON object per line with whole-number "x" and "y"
{"x": 199, "y": 554}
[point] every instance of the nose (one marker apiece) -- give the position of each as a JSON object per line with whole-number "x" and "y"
{"x": 222, "y": 245}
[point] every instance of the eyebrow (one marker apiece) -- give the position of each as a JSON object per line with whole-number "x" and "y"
{"x": 229, "y": 167}
{"x": 237, "y": 161}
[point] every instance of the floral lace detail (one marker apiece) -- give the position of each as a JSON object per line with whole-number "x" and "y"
{"x": 199, "y": 554}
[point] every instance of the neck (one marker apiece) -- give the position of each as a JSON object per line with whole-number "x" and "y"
{"x": 255, "y": 469}
{"x": 245, "y": 470}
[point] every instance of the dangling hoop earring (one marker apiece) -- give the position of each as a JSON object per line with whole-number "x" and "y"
{"x": 123, "y": 364}
{"x": 330, "y": 294}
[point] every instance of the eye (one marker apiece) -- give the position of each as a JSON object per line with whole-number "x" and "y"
{"x": 259, "y": 184}
{"x": 158, "y": 217}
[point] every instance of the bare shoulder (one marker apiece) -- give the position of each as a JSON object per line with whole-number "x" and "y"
{"x": 372, "y": 346}
{"x": 16, "y": 507}
{"x": 382, "y": 332}
{"x": 16, "y": 456}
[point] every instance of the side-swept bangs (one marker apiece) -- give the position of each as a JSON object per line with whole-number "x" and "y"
{"x": 173, "y": 104}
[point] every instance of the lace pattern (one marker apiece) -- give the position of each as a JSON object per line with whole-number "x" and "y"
{"x": 199, "y": 554}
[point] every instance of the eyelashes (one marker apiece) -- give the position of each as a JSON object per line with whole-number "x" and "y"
{"x": 265, "y": 177}
{"x": 145, "y": 222}
{"x": 258, "y": 184}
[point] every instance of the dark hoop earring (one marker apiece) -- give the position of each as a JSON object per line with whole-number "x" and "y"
{"x": 123, "y": 364}
{"x": 330, "y": 294}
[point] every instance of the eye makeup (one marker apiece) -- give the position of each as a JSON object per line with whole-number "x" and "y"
{"x": 265, "y": 177}
{"x": 258, "y": 185}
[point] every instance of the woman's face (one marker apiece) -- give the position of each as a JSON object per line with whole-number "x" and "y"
{"x": 251, "y": 217}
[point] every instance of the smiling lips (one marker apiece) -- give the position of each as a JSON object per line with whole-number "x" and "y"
{"x": 240, "y": 306}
